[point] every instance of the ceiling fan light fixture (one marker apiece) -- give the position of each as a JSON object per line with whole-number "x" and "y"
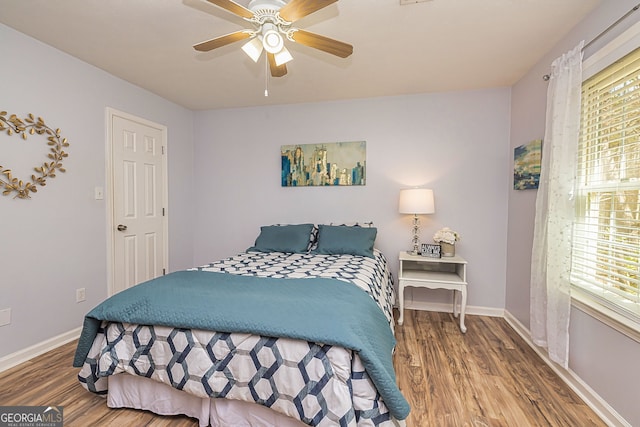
{"x": 272, "y": 41}
{"x": 282, "y": 57}
{"x": 253, "y": 48}
{"x": 271, "y": 22}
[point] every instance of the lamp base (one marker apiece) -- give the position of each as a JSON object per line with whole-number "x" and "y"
{"x": 416, "y": 238}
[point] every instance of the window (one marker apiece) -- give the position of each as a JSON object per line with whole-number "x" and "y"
{"x": 606, "y": 237}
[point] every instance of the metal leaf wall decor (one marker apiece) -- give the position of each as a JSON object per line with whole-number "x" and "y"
{"x": 31, "y": 125}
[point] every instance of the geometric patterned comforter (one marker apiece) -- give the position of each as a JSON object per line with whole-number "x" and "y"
{"x": 319, "y": 384}
{"x": 371, "y": 275}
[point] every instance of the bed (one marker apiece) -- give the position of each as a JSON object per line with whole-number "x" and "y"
{"x": 297, "y": 330}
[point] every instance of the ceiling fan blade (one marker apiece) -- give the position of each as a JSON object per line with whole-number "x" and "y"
{"x": 208, "y": 45}
{"x": 276, "y": 70}
{"x": 233, "y": 7}
{"x": 297, "y": 9}
{"x": 323, "y": 43}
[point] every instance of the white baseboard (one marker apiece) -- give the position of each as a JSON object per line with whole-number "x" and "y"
{"x": 609, "y": 415}
{"x": 448, "y": 308}
{"x": 21, "y": 356}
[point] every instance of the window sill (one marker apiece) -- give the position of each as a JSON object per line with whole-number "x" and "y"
{"x": 625, "y": 326}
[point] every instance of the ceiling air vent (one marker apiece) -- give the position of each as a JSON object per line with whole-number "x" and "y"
{"x": 403, "y": 2}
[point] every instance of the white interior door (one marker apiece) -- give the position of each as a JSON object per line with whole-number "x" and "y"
{"x": 137, "y": 194}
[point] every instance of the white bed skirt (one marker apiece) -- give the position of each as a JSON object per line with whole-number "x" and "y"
{"x": 129, "y": 391}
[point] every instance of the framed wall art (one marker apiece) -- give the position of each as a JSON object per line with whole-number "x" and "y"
{"x": 329, "y": 164}
{"x": 526, "y": 166}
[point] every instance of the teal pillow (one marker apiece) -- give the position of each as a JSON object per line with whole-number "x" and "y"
{"x": 342, "y": 239}
{"x": 283, "y": 238}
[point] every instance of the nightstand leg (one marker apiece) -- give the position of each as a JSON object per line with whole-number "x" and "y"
{"x": 455, "y": 303}
{"x": 463, "y": 306}
{"x": 401, "y": 303}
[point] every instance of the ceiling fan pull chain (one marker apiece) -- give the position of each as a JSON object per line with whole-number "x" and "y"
{"x": 266, "y": 75}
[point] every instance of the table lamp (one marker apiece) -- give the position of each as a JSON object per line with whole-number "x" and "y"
{"x": 416, "y": 201}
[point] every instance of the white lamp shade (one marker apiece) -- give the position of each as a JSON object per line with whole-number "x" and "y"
{"x": 253, "y": 48}
{"x": 416, "y": 201}
{"x": 282, "y": 57}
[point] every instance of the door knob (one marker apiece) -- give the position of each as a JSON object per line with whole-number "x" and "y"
{"x": 122, "y": 227}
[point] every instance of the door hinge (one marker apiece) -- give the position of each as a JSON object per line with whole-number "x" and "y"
{"x": 162, "y": 211}
{"x": 164, "y": 271}
{"x": 163, "y": 149}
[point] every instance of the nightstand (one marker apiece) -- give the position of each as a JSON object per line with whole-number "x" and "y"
{"x": 434, "y": 273}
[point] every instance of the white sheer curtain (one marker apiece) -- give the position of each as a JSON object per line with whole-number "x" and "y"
{"x": 551, "y": 255}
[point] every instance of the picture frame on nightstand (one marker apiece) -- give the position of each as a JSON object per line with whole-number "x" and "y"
{"x": 429, "y": 250}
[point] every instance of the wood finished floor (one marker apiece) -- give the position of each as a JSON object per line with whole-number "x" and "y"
{"x": 486, "y": 377}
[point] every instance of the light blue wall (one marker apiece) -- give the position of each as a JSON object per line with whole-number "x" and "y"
{"x": 455, "y": 143}
{"x": 599, "y": 355}
{"x": 56, "y": 242}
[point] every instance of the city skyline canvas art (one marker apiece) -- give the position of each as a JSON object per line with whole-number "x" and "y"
{"x": 324, "y": 164}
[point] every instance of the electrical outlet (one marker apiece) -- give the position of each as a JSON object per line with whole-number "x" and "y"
{"x": 5, "y": 316}
{"x": 80, "y": 295}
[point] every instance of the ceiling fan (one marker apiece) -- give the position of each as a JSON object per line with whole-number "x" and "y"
{"x": 272, "y": 22}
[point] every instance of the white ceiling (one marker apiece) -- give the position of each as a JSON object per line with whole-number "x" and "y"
{"x": 432, "y": 46}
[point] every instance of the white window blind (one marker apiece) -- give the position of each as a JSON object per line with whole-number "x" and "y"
{"x": 606, "y": 239}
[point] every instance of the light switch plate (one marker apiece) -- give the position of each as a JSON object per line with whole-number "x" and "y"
{"x": 98, "y": 193}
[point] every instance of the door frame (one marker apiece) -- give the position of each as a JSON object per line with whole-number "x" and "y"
{"x": 109, "y": 193}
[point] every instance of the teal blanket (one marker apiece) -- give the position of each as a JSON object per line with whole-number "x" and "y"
{"x": 325, "y": 311}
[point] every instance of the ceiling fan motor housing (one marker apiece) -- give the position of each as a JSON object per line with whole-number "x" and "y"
{"x": 255, "y": 5}
{"x": 270, "y": 26}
